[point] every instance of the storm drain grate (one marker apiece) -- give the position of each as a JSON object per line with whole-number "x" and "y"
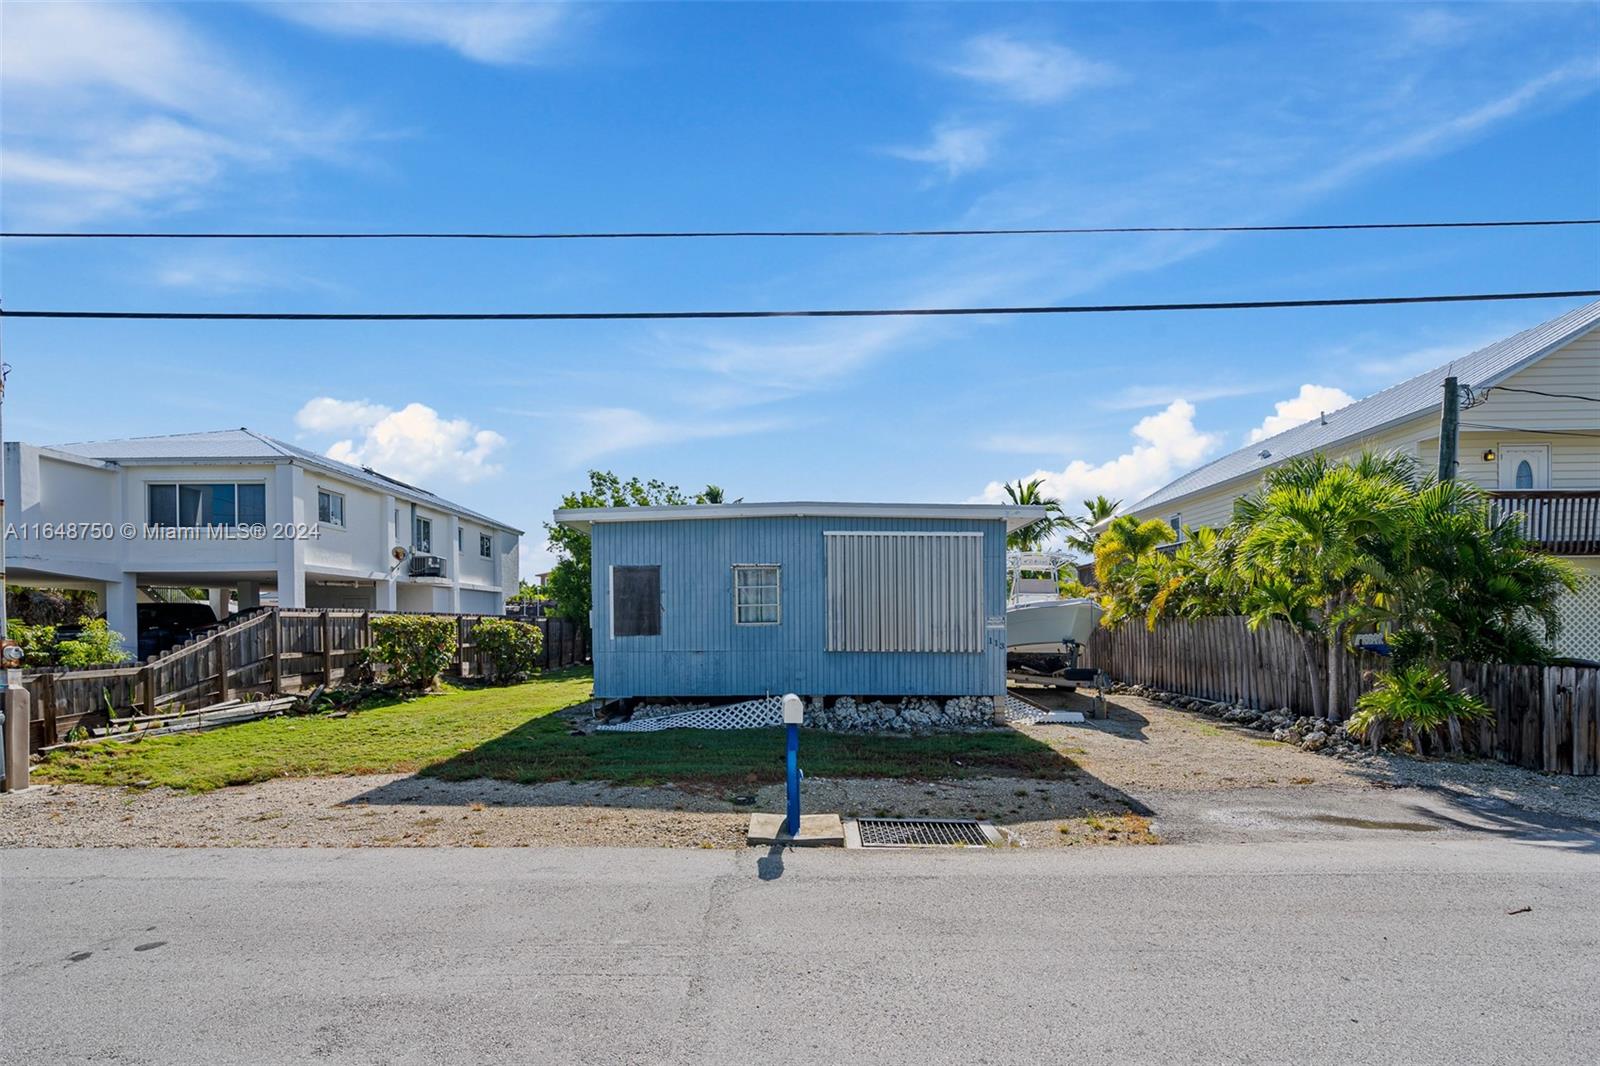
{"x": 920, "y": 833}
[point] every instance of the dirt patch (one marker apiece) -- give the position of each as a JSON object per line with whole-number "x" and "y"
{"x": 395, "y": 810}
{"x": 1163, "y": 758}
{"x": 1148, "y": 770}
{"x": 1147, "y": 747}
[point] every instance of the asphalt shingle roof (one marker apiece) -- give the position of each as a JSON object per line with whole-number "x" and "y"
{"x": 228, "y": 445}
{"x": 1394, "y": 404}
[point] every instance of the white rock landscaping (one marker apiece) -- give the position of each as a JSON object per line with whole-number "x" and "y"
{"x": 1308, "y": 734}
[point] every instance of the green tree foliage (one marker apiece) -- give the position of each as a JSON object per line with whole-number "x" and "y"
{"x": 38, "y": 642}
{"x": 1081, "y": 536}
{"x": 1128, "y": 568}
{"x": 1036, "y": 534}
{"x": 528, "y": 592}
{"x": 49, "y": 607}
{"x": 1416, "y": 697}
{"x": 96, "y": 644}
{"x": 513, "y": 647}
{"x": 1336, "y": 548}
{"x": 570, "y": 581}
{"x": 416, "y": 648}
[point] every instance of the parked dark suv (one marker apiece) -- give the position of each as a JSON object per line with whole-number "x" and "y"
{"x": 165, "y": 625}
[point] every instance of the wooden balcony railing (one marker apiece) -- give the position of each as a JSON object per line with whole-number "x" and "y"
{"x": 1564, "y": 523}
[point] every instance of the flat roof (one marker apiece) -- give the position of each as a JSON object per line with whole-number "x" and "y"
{"x": 1014, "y": 516}
{"x": 244, "y": 445}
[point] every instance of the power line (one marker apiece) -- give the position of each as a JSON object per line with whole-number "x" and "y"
{"x": 702, "y": 234}
{"x": 1552, "y": 395}
{"x": 1530, "y": 429}
{"x": 591, "y": 316}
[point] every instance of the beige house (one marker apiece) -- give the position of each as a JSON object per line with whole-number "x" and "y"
{"x": 1530, "y": 434}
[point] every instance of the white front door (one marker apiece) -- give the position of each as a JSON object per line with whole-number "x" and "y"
{"x": 1524, "y": 467}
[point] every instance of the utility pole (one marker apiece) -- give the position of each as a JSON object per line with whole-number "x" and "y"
{"x": 4, "y": 370}
{"x": 1449, "y": 429}
{"x": 16, "y": 713}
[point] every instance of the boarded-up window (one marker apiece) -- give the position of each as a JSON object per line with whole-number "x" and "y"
{"x": 905, "y": 592}
{"x": 635, "y": 601}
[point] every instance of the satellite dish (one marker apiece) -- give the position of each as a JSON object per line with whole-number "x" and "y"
{"x": 399, "y": 553}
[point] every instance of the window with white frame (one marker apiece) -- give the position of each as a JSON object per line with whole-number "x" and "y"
{"x": 197, "y": 504}
{"x": 330, "y": 508}
{"x": 461, "y": 539}
{"x": 1176, "y": 522}
{"x": 755, "y": 595}
{"x": 485, "y": 545}
{"x": 422, "y": 535}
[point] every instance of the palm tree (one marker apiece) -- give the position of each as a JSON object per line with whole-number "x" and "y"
{"x": 1326, "y": 529}
{"x": 1126, "y": 566}
{"x": 1462, "y": 586}
{"x": 1197, "y": 580}
{"x": 1097, "y": 510}
{"x": 712, "y": 494}
{"x": 1037, "y": 533}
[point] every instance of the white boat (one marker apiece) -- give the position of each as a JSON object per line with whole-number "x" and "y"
{"x": 1038, "y": 618}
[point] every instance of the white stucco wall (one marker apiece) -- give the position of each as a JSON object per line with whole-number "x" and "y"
{"x": 310, "y": 563}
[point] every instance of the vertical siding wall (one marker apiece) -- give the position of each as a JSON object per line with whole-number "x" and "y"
{"x": 700, "y": 652}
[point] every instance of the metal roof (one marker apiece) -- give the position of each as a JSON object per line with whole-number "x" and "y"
{"x": 246, "y": 445}
{"x": 1381, "y": 410}
{"x": 1015, "y": 516}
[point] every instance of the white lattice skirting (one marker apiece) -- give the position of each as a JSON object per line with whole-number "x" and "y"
{"x": 1580, "y": 614}
{"x": 752, "y": 714}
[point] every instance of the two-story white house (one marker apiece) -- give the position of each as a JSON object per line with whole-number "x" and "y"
{"x": 1529, "y": 434}
{"x": 246, "y": 515}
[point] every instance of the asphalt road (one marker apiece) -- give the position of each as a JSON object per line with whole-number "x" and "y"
{"x": 1395, "y": 947}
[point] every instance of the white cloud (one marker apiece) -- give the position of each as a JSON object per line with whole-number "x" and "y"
{"x": 1578, "y": 77}
{"x": 956, "y": 147}
{"x": 604, "y": 430}
{"x": 115, "y": 107}
{"x": 1036, "y": 72}
{"x": 485, "y": 32}
{"x": 1430, "y": 27}
{"x": 1165, "y": 445}
{"x": 1310, "y": 402}
{"x": 413, "y": 444}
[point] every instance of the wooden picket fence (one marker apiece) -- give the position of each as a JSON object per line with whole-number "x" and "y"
{"x": 1545, "y": 718}
{"x": 268, "y": 651}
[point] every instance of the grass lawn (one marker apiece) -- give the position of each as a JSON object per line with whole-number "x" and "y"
{"x": 511, "y": 734}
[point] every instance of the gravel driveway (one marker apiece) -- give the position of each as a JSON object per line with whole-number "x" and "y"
{"x": 1196, "y": 778}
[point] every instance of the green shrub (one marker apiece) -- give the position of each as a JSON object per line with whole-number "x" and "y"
{"x": 97, "y": 644}
{"x": 38, "y": 642}
{"x": 416, "y": 648}
{"x": 1417, "y": 696}
{"x": 513, "y": 647}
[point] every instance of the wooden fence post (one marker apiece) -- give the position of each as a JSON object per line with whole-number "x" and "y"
{"x": 327, "y": 648}
{"x": 147, "y": 685}
{"x": 277, "y": 652}
{"x": 47, "y": 693}
{"x": 221, "y": 642}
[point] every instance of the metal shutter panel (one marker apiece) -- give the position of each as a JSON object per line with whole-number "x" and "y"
{"x": 905, "y": 592}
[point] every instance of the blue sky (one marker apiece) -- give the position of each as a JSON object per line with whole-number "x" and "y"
{"x": 506, "y": 116}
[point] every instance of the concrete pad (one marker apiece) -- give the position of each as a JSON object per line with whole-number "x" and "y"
{"x": 816, "y": 830}
{"x": 1061, "y": 718}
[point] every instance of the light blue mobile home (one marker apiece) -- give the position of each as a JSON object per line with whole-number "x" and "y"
{"x": 821, "y": 599}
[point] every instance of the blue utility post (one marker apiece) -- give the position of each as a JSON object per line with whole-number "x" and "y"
{"x": 794, "y": 710}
